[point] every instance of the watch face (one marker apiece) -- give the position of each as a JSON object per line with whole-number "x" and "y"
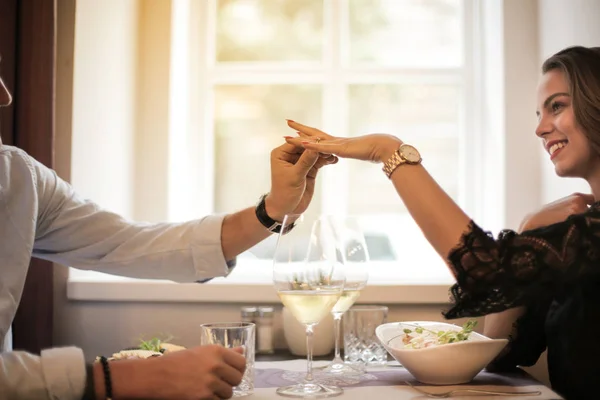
{"x": 410, "y": 154}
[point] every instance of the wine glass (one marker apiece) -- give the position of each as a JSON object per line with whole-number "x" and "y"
{"x": 352, "y": 247}
{"x": 309, "y": 282}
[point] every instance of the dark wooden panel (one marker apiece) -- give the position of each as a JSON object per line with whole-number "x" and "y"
{"x": 8, "y": 31}
{"x": 34, "y": 132}
{"x": 34, "y": 94}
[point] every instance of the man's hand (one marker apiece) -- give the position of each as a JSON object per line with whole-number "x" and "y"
{"x": 293, "y": 175}
{"x": 199, "y": 373}
{"x": 557, "y": 211}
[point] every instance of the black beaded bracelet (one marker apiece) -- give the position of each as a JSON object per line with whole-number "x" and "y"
{"x": 107, "y": 381}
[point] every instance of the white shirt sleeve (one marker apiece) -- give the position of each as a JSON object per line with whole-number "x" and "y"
{"x": 57, "y": 374}
{"x": 78, "y": 233}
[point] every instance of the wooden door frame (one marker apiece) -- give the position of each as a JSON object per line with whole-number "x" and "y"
{"x": 29, "y": 49}
{"x": 8, "y": 41}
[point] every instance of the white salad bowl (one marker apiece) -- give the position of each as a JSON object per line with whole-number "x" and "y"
{"x": 444, "y": 364}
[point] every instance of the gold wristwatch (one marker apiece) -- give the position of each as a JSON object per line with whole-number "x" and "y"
{"x": 406, "y": 154}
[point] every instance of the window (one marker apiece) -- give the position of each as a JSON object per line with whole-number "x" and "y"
{"x": 239, "y": 68}
{"x": 351, "y": 67}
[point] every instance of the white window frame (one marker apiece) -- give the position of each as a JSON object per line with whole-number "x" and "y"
{"x": 479, "y": 149}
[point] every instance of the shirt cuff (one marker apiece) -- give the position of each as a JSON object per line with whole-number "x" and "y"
{"x": 64, "y": 372}
{"x": 207, "y": 250}
{"x": 230, "y": 265}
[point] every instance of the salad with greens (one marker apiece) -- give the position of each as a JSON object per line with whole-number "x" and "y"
{"x": 421, "y": 337}
{"x": 154, "y": 347}
{"x": 154, "y": 344}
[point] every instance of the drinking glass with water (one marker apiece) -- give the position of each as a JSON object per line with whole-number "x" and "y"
{"x": 361, "y": 344}
{"x": 232, "y": 335}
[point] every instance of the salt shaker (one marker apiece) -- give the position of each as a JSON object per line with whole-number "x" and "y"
{"x": 264, "y": 329}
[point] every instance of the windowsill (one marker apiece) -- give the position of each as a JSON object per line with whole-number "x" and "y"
{"x": 251, "y": 284}
{"x": 169, "y": 292}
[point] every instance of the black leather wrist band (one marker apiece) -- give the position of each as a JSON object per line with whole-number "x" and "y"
{"x": 266, "y": 221}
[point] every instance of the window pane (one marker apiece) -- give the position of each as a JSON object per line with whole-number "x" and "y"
{"x": 269, "y": 30}
{"x": 406, "y": 33}
{"x": 249, "y": 123}
{"x": 425, "y": 116}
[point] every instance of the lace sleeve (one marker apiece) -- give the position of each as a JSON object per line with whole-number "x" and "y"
{"x": 496, "y": 274}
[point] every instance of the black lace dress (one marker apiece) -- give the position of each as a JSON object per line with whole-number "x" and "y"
{"x": 555, "y": 272}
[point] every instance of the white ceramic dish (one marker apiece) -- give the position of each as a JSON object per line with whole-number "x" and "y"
{"x": 447, "y": 364}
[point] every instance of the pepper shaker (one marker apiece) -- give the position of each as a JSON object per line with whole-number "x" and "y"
{"x": 264, "y": 329}
{"x": 250, "y": 314}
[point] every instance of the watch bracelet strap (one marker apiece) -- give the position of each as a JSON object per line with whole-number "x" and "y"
{"x": 392, "y": 163}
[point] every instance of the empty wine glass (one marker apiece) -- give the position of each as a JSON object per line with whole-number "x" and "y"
{"x": 309, "y": 282}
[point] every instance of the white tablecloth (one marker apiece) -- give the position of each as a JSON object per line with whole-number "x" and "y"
{"x": 389, "y": 383}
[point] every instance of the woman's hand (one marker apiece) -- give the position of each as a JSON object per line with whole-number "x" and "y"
{"x": 557, "y": 211}
{"x": 375, "y": 148}
{"x": 441, "y": 220}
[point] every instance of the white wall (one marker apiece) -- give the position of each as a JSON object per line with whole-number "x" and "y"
{"x": 104, "y": 101}
{"x": 565, "y": 23}
{"x": 521, "y": 146}
{"x": 151, "y": 143}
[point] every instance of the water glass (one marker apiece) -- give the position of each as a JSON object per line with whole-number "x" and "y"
{"x": 231, "y": 335}
{"x": 360, "y": 341}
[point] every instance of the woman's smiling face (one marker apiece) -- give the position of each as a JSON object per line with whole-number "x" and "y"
{"x": 568, "y": 147}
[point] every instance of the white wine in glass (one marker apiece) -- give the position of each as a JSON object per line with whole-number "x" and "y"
{"x": 350, "y": 294}
{"x": 309, "y": 307}
{"x": 309, "y": 282}
{"x": 352, "y": 246}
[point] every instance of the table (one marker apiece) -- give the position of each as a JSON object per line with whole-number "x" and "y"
{"x": 384, "y": 383}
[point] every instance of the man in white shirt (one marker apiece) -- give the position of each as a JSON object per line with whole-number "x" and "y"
{"x": 42, "y": 216}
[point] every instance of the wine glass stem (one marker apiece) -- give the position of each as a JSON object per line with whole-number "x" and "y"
{"x": 309, "y": 353}
{"x": 337, "y": 319}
